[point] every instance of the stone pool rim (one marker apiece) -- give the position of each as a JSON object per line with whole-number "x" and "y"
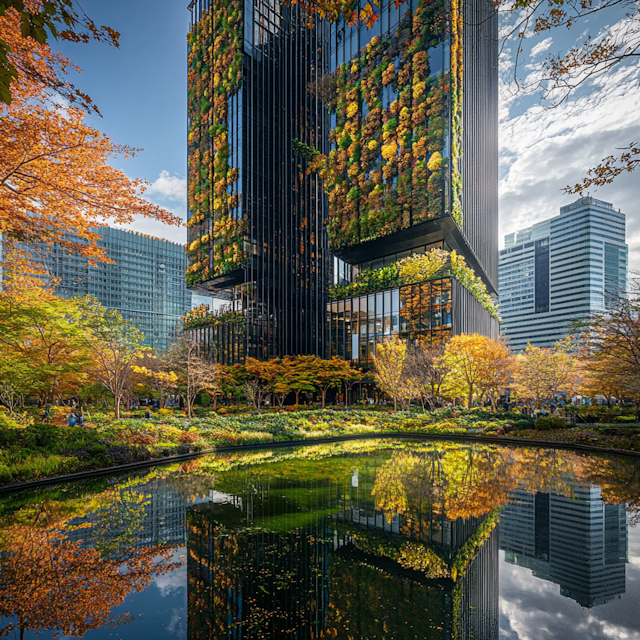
{"x": 132, "y": 466}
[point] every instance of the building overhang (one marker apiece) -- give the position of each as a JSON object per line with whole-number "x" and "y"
{"x": 440, "y": 229}
{"x": 217, "y": 287}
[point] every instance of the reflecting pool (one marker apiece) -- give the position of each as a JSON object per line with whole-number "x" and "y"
{"x": 372, "y": 539}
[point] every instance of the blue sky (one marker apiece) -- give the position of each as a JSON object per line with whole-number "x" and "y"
{"x": 141, "y": 90}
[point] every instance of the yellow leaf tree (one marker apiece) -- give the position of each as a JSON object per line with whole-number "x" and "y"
{"x": 390, "y": 373}
{"x": 539, "y": 373}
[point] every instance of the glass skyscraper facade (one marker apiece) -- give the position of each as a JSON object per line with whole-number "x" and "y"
{"x": 561, "y": 270}
{"x": 578, "y": 542}
{"x": 145, "y": 283}
{"x": 316, "y": 153}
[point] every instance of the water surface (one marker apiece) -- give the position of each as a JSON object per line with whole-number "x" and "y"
{"x": 371, "y": 539}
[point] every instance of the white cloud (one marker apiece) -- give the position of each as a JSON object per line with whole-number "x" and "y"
{"x": 168, "y": 187}
{"x": 541, "y": 47}
{"x": 542, "y": 151}
{"x": 170, "y": 192}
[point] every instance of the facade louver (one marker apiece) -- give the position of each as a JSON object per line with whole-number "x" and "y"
{"x": 319, "y": 152}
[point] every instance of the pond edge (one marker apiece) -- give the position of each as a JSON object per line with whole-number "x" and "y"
{"x": 132, "y": 466}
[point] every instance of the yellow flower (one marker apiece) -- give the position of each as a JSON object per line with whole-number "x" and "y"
{"x": 435, "y": 162}
{"x": 352, "y": 109}
{"x": 372, "y": 146}
{"x": 389, "y": 150}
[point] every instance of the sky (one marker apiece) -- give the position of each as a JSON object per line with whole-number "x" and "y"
{"x": 140, "y": 89}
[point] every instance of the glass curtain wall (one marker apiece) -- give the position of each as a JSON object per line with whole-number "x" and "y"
{"x": 414, "y": 311}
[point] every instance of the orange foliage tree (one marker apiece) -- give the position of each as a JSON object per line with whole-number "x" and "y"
{"x": 50, "y": 582}
{"x": 55, "y": 181}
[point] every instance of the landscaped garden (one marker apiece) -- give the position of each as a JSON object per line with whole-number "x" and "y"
{"x": 31, "y": 450}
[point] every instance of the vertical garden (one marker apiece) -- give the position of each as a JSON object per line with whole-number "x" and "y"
{"x": 396, "y": 142}
{"x": 216, "y": 230}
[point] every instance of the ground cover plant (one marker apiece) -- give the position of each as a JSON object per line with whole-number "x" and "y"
{"x": 30, "y": 450}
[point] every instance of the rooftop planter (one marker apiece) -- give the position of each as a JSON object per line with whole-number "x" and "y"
{"x": 417, "y": 269}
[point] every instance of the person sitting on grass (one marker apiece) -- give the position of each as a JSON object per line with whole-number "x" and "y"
{"x": 72, "y": 419}
{"x": 148, "y": 414}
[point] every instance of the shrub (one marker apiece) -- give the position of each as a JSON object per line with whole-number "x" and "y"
{"x": 189, "y": 437}
{"x": 550, "y": 422}
{"x": 544, "y": 424}
{"x": 625, "y": 419}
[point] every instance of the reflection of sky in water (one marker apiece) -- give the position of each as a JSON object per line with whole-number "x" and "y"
{"x": 158, "y": 612}
{"x": 533, "y": 609}
{"x": 573, "y": 537}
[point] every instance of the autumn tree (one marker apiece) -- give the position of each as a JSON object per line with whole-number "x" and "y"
{"x": 56, "y": 184}
{"x": 497, "y": 370}
{"x": 155, "y": 371}
{"x": 39, "y": 20}
{"x": 429, "y": 370}
{"x": 266, "y": 373}
{"x": 539, "y": 373}
{"x": 42, "y": 342}
{"x": 115, "y": 346}
{"x": 301, "y": 374}
{"x": 332, "y": 374}
{"x": 612, "y": 338}
{"x": 589, "y": 57}
{"x": 389, "y": 368}
{"x": 478, "y": 365}
{"x": 194, "y": 373}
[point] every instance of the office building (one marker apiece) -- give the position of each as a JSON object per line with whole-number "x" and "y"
{"x": 145, "y": 281}
{"x": 316, "y": 154}
{"x": 578, "y": 542}
{"x": 560, "y": 271}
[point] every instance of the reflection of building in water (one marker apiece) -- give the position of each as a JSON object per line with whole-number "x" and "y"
{"x": 578, "y": 542}
{"x": 150, "y": 514}
{"x": 165, "y": 514}
{"x": 281, "y": 559}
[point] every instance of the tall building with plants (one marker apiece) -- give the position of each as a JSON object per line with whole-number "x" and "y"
{"x": 342, "y": 179}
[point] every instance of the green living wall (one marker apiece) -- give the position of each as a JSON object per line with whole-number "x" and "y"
{"x": 216, "y": 228}
{"x": 396, "y": 145}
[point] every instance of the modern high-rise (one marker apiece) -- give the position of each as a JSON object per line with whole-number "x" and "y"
{"x": 578, "y": 542}
{"x": 560, "y": 271}
{"x": 145, "y": 281}
{"x": 316, "y": 154}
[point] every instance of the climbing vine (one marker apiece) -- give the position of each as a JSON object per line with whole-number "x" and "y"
{"x": 388, "y": 165}
{"x": 216, "y": 228}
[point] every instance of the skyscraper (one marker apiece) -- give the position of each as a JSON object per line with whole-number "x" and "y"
{"x": 145, "y": 283}
{"x": 561, "y": 270}
{"x": 578, "y": 542}
{"x": 316, "y": 154}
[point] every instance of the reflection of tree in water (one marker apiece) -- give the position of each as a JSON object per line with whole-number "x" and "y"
{"x": 49, "y": 581}
{"x": 469, "y": 481}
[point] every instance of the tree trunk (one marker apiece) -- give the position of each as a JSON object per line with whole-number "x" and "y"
{"x": 324, "y": 395}
{"x": 297, "y": 398}
{"x": 116, "y": 405}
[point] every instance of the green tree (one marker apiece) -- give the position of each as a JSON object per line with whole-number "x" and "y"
{"x": 115, "y": 346}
